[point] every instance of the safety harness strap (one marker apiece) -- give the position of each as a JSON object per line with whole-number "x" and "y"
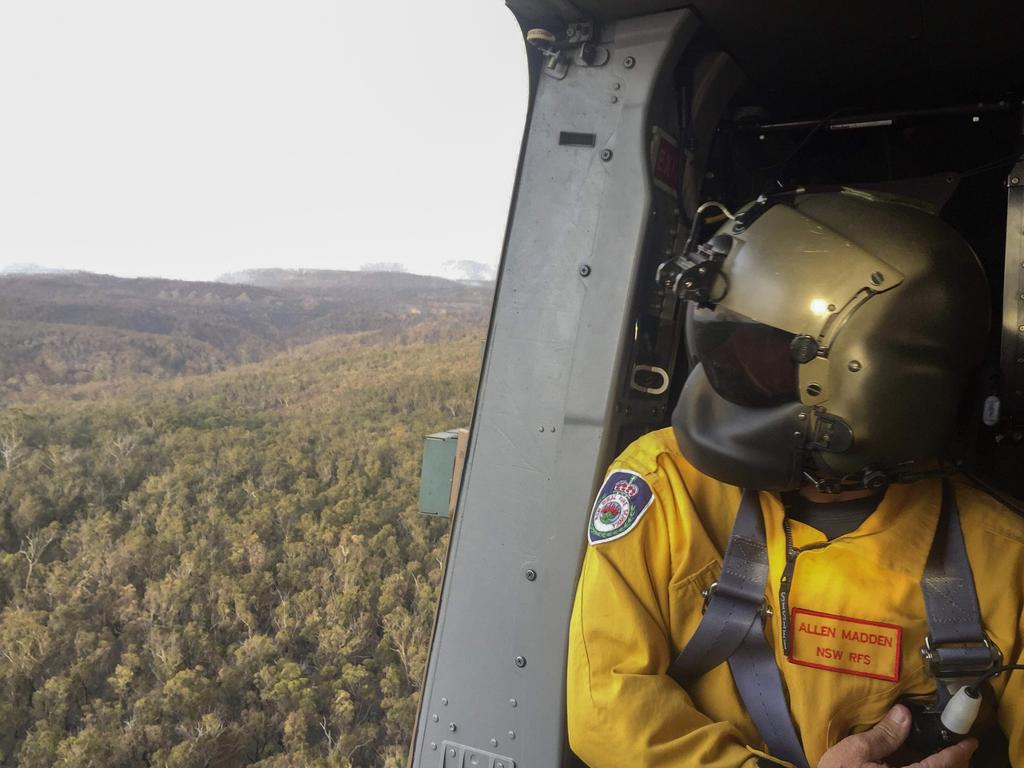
{"x": 732, "y": 626}
{"x": 759, "y": 683}
{"x": 956, "y": 646}
{"x": 738, "y": 597}
{"x": 732, "y": 629}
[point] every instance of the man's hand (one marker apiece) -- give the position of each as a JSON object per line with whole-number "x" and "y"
{"x": 869, "y": 749}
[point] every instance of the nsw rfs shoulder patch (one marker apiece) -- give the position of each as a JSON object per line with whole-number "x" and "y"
{"x": 622, "y": 501}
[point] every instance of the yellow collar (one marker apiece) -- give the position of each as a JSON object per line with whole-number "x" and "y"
{"x": 897, "y": 535}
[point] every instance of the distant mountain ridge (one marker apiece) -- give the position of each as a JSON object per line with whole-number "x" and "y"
{"x": 332, "y": 279}
{"x": 78, "y": 327}
{"x": 325, "y": 279}
{"x": 470, "y": 271}
{"x": 31, "y": 269}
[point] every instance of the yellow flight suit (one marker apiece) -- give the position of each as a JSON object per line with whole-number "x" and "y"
{"x": 639, "y": 601}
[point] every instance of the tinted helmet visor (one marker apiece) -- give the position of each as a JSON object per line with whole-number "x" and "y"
{"x": 747, "y": 363}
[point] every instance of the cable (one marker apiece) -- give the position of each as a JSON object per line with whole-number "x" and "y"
{"x": 961, "y": 711}
{"x": 806, "y": 139}
{"x": 992, "y": 165}
{"x": 994, "y": 492}
{"x": 996, "y": 671}
{"x": 697, "y": 222}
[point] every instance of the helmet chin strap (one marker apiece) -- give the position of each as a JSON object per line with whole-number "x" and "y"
{"x": 869, "y": 478}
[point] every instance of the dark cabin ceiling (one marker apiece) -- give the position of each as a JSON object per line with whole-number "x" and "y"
{"x": 888, "y": 52}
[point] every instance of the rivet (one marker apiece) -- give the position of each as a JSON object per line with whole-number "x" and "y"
{"x": 1015, "y": 180}
{"x": 452, "y": 726}
{"x": 433, "y": 745}
{"x": 877, "y": 278}
{"x": 513, "y": 702}
{"x": 511, "y": 734}
{"x": 802, "y": 416}
{"x": 584, "y": 270}
{"x": 494, "y": 742}
{"x": 798, "y": 435}
{"x": 1020, "y": 328}
{"x": 552, "y": 429}
{"x": 1022, "y": 295}
{"x": 854, "y": 365}
{"x": 451, "y": 752}
{"x": 617, "y": 86}
{"x": 540, "y": 429}
{"x": 831, "y": 307}
{"x": 531, "y": 575}
{"x": 761, "y": 137}
{"x": 520, "y": 661}
{"x": 499, "y": 764}
{"x": 606, "y": 154}
{"x": 435, "y": 718}
{"x": 444, "y": 701}
{"x": 615, "y": 99}
{"x": 629, "y": 62}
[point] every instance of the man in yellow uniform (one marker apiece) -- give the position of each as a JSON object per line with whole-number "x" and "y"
{"x": 832, "y": 336}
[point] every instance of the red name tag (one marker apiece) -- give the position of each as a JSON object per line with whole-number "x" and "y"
{"x": 844, "y": 644}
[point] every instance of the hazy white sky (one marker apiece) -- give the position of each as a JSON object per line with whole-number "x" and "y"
{"x": 188, "y": 138}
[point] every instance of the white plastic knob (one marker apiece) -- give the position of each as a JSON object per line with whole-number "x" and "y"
{"x": 961, "y": 711}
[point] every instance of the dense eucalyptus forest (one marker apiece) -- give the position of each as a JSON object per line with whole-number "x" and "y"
{"x": 210, "y": 551}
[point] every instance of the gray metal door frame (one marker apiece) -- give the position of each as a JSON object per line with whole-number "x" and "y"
{"x": 545, "y": 421}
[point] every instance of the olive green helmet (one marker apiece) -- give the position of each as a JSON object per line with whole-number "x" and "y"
{"x": 833, "y": 337}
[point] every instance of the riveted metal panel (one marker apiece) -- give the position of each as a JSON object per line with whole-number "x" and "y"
{"x": 1012, "y": 361}
{"x": 541, "y": 436}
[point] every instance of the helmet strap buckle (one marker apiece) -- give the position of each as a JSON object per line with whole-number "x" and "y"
{"x": 827, "y": 485}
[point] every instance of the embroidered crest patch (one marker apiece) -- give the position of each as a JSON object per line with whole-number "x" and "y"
{"x": 622, "y": 501}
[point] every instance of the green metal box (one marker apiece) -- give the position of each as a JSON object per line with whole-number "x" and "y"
{"x": 443, "y": 455}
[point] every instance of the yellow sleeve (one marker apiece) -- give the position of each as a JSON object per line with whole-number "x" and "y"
{"x": 1010, "y": 709}
{"x": 623, "y": 709}
{"x": 997, "y": 561}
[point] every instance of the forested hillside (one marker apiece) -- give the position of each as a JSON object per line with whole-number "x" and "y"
{"x": 73, "y": 328}
{"x": 226, "y": 568}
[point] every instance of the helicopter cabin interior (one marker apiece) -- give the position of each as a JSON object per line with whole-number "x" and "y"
{"x": 639, "y": 112}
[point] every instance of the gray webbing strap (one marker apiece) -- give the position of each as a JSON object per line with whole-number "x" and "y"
{"x": 957, "y": 645}
{"x": 738, "y": 597}
{"x": 732, "y": 629}
{"x": 759, "y": 682}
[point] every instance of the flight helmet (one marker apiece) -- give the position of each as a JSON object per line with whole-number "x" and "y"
{"x": 832, "y": 337}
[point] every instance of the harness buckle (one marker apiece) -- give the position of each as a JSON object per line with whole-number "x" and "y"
{"x": 707, "y": 594}
{"x": 947, "y": 661}
{"x": 765, "y": 611}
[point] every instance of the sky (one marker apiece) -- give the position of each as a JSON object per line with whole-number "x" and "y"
{"x": 191, "y": 138}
